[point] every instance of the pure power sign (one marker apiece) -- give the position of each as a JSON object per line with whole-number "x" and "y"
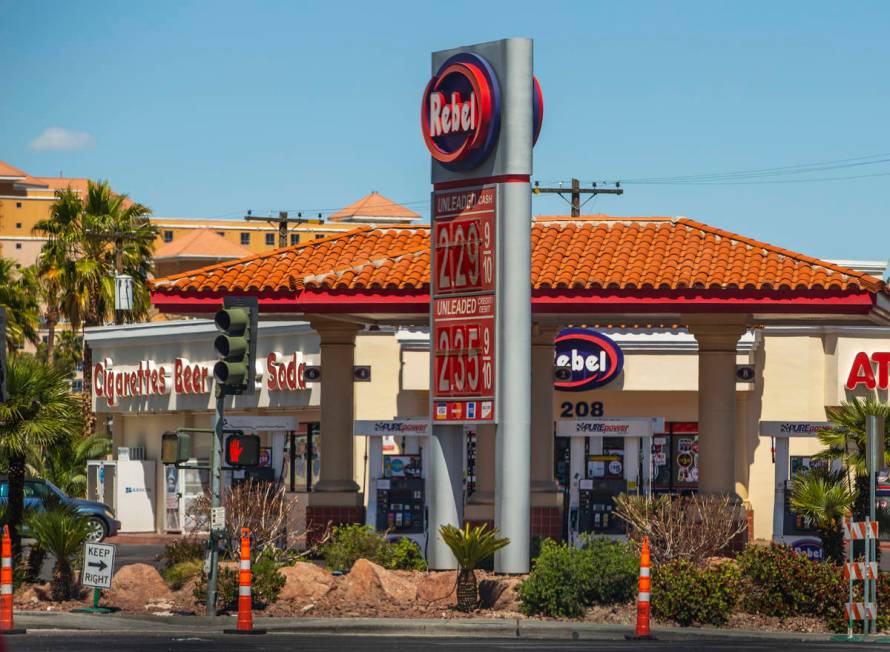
{"x": 98, "y": 565}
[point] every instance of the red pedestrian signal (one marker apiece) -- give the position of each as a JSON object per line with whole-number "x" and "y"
{"x": 243, "y": 450}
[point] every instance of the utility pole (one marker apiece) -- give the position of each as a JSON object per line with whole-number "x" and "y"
{"x": 576, "y": 191}
{"x": 282, "y": 222}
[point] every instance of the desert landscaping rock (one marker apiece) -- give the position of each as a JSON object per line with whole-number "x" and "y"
{"x": 437, "y": 588}
{"x": 136, "y": 586}
{"x": 305, "y": 583}
{"x": 368, "y": 582}
{"x": 500, "y": 593}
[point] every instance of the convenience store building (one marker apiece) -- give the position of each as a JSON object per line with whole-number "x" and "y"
{"x": 720, "y": 334}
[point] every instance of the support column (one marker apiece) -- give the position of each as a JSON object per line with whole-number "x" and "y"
{"x": 445, "y": 492}
{"x": 717, "y": 344}
{"x": 542, "y": 410}
{"x": 335, "y": 498}
{"x": 547, "y": 500}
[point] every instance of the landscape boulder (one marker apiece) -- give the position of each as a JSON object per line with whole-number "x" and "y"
{"x": 305, "y": 582}
{"x": 369, "y": 583}
{"x": 500, "y": 593}
{"x": 437, "y": 588}
{"x": 136, "y": 586}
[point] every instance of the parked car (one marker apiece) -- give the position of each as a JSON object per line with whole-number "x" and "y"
{"x": 39, "y": 492}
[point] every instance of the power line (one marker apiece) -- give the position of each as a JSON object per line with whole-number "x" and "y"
{"x": 576, "y": 191}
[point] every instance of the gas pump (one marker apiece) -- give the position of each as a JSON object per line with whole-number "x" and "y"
{"x": 607, "y": 457}
{"x": 790, "y": 528}
{"x": 396, "y": 492}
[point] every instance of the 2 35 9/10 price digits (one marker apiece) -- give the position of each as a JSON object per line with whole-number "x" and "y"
{"x": 464, "y": 362}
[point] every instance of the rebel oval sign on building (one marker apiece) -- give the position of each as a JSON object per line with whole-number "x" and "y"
{"x": 591, "y": 358}
{"x": 461, "y": 112}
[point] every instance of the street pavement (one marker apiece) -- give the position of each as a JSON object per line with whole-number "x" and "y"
{"x": 155, "y": 642}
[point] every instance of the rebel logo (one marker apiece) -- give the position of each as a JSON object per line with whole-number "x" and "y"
{"x": 588, "y": 360}
{"x": 461, "y": 112}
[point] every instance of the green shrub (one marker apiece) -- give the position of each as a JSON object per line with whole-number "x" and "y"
{"x": 178, "y": 574}
{"x": 776, "y": 581}
{"x": 402, "y": 554}
{"x": 266, "y": 584}
{"x": 561, "y": 582}
{"x": 183, "y": 549}
{"x": 566, "y": 580}
{"x": 349, "y": 543}
{"x": 694, "y": 595}
{"x": 618, "y": 570}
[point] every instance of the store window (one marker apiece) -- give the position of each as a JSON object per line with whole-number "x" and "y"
{"x": 77, "y": 385}
{"x": 168, "y": 236}
{"x": 294, "y": 239}
{"x": 270, "y": 238}
{"x": 245, "y": 238}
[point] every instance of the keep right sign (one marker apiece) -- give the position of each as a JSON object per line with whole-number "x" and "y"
{"x": 98, "y": 565}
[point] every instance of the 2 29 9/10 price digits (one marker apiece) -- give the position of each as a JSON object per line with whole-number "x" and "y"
{"x": 464, "y": 363}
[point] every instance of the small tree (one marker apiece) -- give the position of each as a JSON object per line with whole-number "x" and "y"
{"x": 824, "y": 501}
{"x": 470, "y": 546}
{"x": 689, "y": 527}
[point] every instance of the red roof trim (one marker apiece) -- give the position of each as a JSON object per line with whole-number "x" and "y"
{"x": 543, "y": 301}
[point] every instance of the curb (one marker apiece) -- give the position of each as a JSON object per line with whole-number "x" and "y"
{"x": 456, "y": 628}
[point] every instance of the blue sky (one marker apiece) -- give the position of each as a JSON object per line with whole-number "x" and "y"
{"x": 211, "y": 108}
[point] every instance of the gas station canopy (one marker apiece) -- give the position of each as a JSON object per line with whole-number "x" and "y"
{"x": 625, "y": 270}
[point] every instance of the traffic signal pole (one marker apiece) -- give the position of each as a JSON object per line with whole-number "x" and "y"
{"x": 215, "y": 497}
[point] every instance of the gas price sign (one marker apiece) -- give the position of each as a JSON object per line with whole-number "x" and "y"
{"x": 464, "y": 241}
{"x": 463, "y": 311}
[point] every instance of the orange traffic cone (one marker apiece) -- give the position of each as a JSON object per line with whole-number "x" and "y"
{"x": 642, "y": 631}
{"x": 6, "y": 626}
{"x": 245, "y": 606}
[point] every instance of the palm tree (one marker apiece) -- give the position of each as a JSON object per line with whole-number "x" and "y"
{"x": 470, "y": 546}
{"x": 89, "y": 240}
{"x": 38, "y": 413}
{"x": 846, "y": 443}
{"x": 18, "y": 295}
{"x": 824, "y": 500}
{"x": 65, "y": 463}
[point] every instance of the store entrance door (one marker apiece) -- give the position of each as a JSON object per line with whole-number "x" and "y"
{"x": 607, "y": 457}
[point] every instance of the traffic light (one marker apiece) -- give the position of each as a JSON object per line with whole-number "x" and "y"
{"x": 236, "y": 346}
{"x": 242, "y": 450}
{"x": 176, "y": 447}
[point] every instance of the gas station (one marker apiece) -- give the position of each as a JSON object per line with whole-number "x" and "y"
{"x": 687, "y": 302}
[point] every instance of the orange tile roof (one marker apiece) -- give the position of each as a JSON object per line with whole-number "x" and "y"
{"x": 373, "y": 206}
{"x": 201, "y": 243}
{"x": 6, "y": 170}
{"x": 77, "y": 184}
{"x": 595, "y": 252}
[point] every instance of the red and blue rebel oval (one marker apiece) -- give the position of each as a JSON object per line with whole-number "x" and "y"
{"x": 585, "y": 343}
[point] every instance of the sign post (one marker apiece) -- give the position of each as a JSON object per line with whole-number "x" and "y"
{"x": 480, "y": 115}
{"x": 98, "y": 569}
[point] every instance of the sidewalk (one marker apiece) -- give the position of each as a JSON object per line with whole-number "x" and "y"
{"x": 464, "y": 628}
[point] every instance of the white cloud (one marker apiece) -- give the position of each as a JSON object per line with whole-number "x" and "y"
{"x": 56, "y": 139}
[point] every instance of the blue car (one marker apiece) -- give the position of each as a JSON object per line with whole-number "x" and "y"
{"x": 37, "y": 492}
